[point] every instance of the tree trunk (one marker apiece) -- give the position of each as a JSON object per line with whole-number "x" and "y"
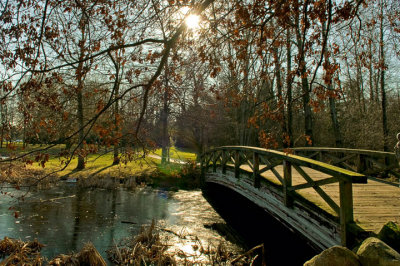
{"x": 80, "y": 78}
{"x": 116, "y": 159}
{"x": 24, "y": 136}
{"x": 382, "y": 81}
{"x": 81, "y": 159}
{"x": 289, "y": 90}
{"x": 308, "y": 123}
{"x": 116, "y": 121}
{"x": 371, "y": 73}
{"x": 280, "y": 102}
{"x": 332, "y": 100}
{"x": 335, "y": 122}
{"x": 164, "y": 120}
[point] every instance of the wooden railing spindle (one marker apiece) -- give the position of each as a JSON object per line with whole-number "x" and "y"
{"x": 256, "y": 170}
{"x": 215, "y": 159}
{"x": 287, "y": 177}
{"x": 224, "y": 161}
{"x": 361, "y": 163}
{"x": 237, "y": 164}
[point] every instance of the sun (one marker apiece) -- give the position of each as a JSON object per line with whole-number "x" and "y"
{"x": 192, "y": 21}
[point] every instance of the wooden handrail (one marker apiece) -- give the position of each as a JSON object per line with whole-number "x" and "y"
{"x": 345, "y": 174}
{"x": 261, "y": 160}
{"x": 381, "y": 154}
{"x": 368, "y": 162}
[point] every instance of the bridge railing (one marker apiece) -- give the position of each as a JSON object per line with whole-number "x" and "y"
{"x": 258, "y": 160}
{"x": 368, "y": 162}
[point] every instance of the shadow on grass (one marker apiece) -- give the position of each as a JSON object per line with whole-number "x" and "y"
{"x": 75, "y": 171}
{"x": 66, "y": 176}
{"x": 100, "y": 170}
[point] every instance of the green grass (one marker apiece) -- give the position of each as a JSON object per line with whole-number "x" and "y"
{"x": 100, "y": 165}
{"x": 96, "y": 165}
{"x": 176, "y": 153}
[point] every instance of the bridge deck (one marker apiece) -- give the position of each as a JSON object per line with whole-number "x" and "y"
{"x": 374, "y": 203}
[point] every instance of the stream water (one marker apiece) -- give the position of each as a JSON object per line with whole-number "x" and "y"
{"x": 64, "y": 218}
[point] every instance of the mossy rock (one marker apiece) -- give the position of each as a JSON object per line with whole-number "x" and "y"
{"x": 375, "y": 252}
{"x": 334, "y": 256}
{"x": 390, "y": 234}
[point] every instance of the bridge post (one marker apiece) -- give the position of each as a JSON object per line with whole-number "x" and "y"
{"x": 215, "y": 159}
{"x": 224, "y": 160}
{"x": 287, "y": 178}
{"x": 256, "y": 170}
{"x": 361, "y": 164}
{"x": 237, "y": 164}
{"x": 346, "y": 211}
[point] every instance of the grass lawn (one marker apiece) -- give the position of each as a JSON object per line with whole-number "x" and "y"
{"x": 176, "y": 153}
{"x": 100, "y": 165}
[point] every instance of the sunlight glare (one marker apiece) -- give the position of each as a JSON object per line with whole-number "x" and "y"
{"x": 192, "y": 21}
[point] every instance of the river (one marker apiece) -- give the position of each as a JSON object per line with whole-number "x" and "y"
{"x": 65, "y": 217}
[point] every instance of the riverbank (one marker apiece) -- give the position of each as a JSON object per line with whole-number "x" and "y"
{"x": 132, "y": 171}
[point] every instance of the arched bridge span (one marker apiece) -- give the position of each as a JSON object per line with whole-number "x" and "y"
{"x": 311, "y": 197}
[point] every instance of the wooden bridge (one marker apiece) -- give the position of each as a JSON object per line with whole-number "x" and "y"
{"x": 326, "y": 204}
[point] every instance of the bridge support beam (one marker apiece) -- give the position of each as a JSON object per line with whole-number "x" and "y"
{"x": 215, "y": 159}
{"x": 346, "y": 211}
{"x": 287, "y": 178}
{"x": 237, "y": 164}
{"x": 361, "y": 164}
{"x": 224, "y": 160}
{"x": 256, "y": 170}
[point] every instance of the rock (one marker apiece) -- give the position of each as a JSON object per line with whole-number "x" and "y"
{"x": 375, "y": 252}
{"x": 390, "y": 234}
{"x": 334, "y": 256}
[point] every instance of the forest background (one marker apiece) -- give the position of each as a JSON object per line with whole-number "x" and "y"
{"x": 132, "y": 75}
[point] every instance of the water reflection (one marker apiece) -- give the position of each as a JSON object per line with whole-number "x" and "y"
{"x": 65, "y": 218}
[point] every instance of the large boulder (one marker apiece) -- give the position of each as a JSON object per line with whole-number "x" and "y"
{"x": 375, "y": 252}
{"x": 334, "y": 256}
{"x": 390, "y": 234}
